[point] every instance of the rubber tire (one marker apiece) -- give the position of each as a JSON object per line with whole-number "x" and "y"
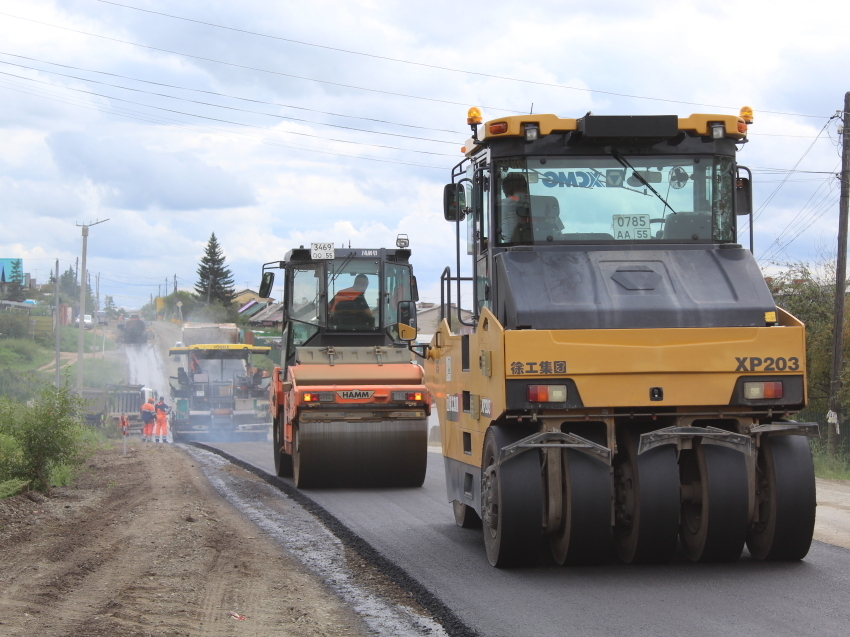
{"x": 465, "y": 516}
{"x": 518, "y": 498}
{"x": 785, "y": 462}
{"x": 585, "y": 533}
{"x": 716, "y": 529}
{"x": 282, "y": 460}
{"x": 652, "y": 533}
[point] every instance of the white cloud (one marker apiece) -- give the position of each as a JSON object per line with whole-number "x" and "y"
{"x": 167, "y": 186}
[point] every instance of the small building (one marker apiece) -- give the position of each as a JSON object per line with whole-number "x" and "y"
{"x": 428, "y": 317}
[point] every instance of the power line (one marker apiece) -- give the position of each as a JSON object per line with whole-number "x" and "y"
{"x": 823, "y": 207}
{"x": 226, "y": 121}
{"x": 799, "y": 223}
{"x": 154, "y": 119}
{"x": 435, "y": 66}
{"x": 234, "y": 97}
{"x": 231, "y": 108}
{"x": 252, "y": 68}
{"x": 782, "y": 183}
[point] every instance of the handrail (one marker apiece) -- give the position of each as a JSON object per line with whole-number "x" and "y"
{"x": 446, "y": 279}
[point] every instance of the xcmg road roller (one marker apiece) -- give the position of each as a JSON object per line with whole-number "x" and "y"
{"x": 349, "y": 404}
{"x": 625, "y": 379}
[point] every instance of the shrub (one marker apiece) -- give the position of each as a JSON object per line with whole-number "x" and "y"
{"x": 12, "y": 487}
{"x": 13, "y": 325}
{"x": 47, "y": 432}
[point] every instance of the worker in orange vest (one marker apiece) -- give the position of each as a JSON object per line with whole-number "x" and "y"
{"x": 148, "y": 417}
{"x": 352, "y": 303}
{"x": 161, "y": 429}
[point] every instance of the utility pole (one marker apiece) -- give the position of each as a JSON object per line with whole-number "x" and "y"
{"x": 58, "y": 338}
{"x": 82, "y": 314}
{"x": 834, "y": 417}
{"x": 175, "y": 285}
{"x": 97, "y": 284}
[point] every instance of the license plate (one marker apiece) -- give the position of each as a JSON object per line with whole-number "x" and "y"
{"x": 321, "y": 251}
{"x": 631, "y": 227}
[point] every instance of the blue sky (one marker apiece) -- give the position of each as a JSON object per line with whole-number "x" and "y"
{"x": 340, "y": 127}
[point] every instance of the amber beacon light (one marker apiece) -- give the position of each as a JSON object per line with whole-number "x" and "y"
{"x": 473, "y": 116}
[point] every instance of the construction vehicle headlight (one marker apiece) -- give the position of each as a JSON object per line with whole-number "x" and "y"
{"x": 531, "y": 132}
{"x": 760, "y": 391}
{"x": 402, "y": 241}
{"x": 547, "y": 393}
{"x": 398, "y": 396}
{"x": 718, "y": 131}
{"x": 473, "y": 116}
{"x": 498, "y": 128}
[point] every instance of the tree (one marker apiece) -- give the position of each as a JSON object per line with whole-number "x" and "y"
{"x": 68, "y": 284}
{"x": 808, "y": 292}
{"x": 15, "y": 284}
{"x": 215, "y": 280}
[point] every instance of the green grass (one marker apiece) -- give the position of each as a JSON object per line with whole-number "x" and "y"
{"x": 92, "y": 339}
{"x": 20, "y": 354}
{"x": 829, "y": 466}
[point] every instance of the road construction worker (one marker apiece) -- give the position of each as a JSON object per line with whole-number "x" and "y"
{"x": 350, "y": 308}
{"x": 161, "y": 429}
{"x": 148, "y": 417}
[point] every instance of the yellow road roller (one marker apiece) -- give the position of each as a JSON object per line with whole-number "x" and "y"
{"x": 611, "y": 369}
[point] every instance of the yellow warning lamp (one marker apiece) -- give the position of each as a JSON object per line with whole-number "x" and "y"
{"x": 746, "y": 114}
{"x": 473, "y": 118}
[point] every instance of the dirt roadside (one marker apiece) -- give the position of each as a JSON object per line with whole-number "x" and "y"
{"x": 143, "y": 545}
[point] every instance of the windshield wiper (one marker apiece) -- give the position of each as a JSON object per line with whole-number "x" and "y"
{"x": 625, "y": 164}
{"x": 342, "y": 267}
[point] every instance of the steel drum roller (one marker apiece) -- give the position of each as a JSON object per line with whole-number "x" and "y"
{"x": 390, "y": 453}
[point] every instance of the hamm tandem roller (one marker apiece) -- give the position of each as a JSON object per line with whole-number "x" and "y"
{"x": 626, "y": 374}
{"x": 349, "y": 405}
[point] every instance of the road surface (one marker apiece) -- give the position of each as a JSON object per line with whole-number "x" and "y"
{"x": 415, "y": 528}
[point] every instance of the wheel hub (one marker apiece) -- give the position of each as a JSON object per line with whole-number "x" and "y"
{"x": 490, "y": 497}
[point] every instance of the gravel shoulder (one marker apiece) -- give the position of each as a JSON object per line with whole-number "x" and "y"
{"x": 143, "y": 545}
{"x": 832, "y": 524}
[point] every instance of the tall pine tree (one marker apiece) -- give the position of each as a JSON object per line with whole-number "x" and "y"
{"x": 215, "y": 280}
{"x": 15, "y": 285}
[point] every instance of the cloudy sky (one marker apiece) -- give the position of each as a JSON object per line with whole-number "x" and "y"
{"x": 278, "y": 123}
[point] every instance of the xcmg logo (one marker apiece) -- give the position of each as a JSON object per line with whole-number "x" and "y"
{"x": 582, "y": 179}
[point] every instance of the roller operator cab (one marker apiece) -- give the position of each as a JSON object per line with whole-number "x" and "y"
{"x": 626, "y": 373}
{"x": 349, "y": 404}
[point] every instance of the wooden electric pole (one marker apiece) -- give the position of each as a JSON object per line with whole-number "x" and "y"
{"x": 834, "y": 418}
{"x": 82, "y": 314}
{"x": 57, "y": 334}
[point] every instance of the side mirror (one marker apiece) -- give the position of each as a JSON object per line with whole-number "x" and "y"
{"x": 406, "y": 325}
{"x": 454, "y": 201}
{"x": 266, "y": 285}
{"x": 743, "y": 196}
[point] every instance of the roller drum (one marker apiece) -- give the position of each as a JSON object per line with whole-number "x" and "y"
{"x": 389, "y": 453}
